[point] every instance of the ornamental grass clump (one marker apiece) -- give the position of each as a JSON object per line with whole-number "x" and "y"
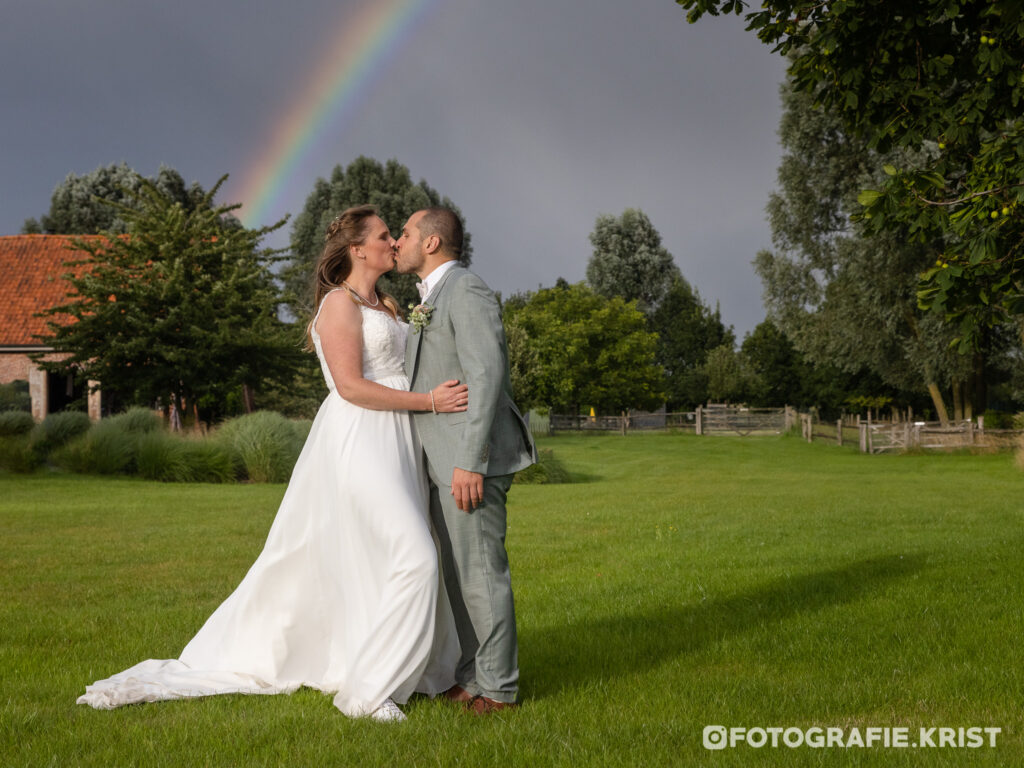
{"x": 106, "y": 449}
{"x": 140, "y": 420}
{"x": 58, "y": 429}
{"x": 177, "y": 459}
{"x": 111, "y": 445}
{"x": 14, "y": 423}
{"x": 17, "y": 455}
{"x": 264, "y": 445}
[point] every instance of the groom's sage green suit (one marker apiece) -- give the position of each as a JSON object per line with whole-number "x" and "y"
{"x": 465, "y": 340}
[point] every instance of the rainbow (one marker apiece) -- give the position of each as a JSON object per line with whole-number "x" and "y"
{"x": 333, "y": 91}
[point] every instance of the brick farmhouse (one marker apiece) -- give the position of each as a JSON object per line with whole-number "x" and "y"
{"x": 31, "y": 269}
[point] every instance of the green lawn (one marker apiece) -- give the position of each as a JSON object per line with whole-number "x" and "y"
{"x": 680, "y": 582}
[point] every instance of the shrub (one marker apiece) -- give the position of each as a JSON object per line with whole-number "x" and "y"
{"x": 547, "y": 470}
{"x": 16, "y": 454}
{"x": 169, "y": 458}
{"x": 15, "y": 423}
{"x": 57, "y": 429}
{"x": 998, "y": 420}
{"x": 14, "y": 396}
{"x": 264, "y": 445}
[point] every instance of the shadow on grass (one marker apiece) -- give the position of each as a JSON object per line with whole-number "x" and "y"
{"x": 593, "y": 650}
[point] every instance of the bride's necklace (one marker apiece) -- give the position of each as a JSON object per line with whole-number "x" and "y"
{"x": 356, "y": 294}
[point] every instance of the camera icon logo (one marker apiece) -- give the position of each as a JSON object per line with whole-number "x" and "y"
{"x": 715, "y": 737}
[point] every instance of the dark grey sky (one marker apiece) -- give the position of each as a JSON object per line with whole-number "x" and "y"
{"x": 534, "y": 116}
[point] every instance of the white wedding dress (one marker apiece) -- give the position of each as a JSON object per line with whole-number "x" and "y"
{"x": 345, "y": 596}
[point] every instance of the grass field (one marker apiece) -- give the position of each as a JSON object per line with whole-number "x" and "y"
{"x": 679, "y": 582}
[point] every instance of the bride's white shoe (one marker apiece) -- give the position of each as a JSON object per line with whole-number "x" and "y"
{"x": 388, "y": 712}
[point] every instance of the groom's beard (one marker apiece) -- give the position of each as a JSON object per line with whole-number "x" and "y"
{"x": 410, "y": 267}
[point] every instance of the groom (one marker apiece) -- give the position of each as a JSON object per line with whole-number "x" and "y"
{"x": 456, "y": 333}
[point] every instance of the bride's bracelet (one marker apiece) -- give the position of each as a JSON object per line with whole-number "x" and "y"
{"x": 432, "y": 406}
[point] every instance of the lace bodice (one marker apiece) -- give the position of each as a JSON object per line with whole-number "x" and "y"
{"x": 383, "y": 346}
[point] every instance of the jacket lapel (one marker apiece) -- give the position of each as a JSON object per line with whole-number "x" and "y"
{"x": 432, "y": 298}
{"x": 412, "y": 351}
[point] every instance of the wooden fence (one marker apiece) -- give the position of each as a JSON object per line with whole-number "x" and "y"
{"x": 870, "y": 436}
{"x": 623, "y": 423}
{"x": 719, "y": 419}
{"x": 901, "y": 436}
{"x": 933, "y": 435}
{"x": 706, "y": 420}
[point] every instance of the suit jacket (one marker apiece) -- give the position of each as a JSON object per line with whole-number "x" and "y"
{"x": 465, "y": 340}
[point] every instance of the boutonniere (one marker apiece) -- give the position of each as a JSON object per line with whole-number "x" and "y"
{"x": 420, "y": 315}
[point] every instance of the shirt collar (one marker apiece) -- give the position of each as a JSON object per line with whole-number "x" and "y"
{"x": 434, "y": 277}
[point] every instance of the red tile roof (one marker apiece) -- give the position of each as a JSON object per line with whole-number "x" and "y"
{"x": 31, "y": 267}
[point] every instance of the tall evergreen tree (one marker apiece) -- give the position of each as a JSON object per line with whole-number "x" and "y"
{"x": 181, "y": 309}
{"x": 687, "y": 330}
{"x": 365, "y": 180}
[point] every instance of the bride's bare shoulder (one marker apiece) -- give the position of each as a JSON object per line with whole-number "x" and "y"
{"x": 338, "y": 313}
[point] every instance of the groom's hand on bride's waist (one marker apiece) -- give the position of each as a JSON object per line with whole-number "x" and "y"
{"x": 467, "y": 488}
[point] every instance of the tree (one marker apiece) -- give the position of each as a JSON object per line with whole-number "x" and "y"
{"x": 589, "y": 350}
{"x": 831, "y": 277}
{"x": 524, "y": 365}
{"x": 729, "y": 379}
{"x": 391, "y": 189}
{"x": 687, "y": 330}
{"x": 629, "y": 260}
{"x": 82, "y": 205}
{"x": 179, "y": 309}
{"x": 779, "y": 369}
{"x": 942, "y": 75}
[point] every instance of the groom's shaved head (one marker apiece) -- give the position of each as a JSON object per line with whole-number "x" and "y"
{"x": 446, "y": 225}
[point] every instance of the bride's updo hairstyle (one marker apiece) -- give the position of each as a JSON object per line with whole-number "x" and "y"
{"x": 349, "y": 228}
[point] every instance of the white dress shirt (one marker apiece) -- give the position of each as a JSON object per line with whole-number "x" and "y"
{"x": 431, "y": 280}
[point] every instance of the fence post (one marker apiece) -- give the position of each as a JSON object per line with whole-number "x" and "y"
{"x": 625, "y": 425}
{"x": 906, "y": 436}
{"x": 863, "y": 429}
{"x": 700, "y": 420}
{"x": 970, "y": 431}
{"x": 839, "y": 433}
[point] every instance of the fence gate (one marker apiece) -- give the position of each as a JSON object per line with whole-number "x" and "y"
{"x": 722, "y": 419}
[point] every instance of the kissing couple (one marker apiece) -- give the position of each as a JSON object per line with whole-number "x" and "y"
{"x": 385, "y": 571}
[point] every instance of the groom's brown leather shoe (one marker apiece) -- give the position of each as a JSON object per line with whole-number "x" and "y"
{"x": 458, "y": 695}
{"x": 484, "y": 706}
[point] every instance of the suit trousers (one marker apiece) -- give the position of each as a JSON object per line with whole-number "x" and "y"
{"x": 476, "y": 575}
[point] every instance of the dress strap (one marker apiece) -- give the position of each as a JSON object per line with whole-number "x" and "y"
{"x": 320, "y": 309}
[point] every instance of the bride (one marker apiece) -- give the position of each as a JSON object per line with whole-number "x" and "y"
{"x": 345, "y": 595}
